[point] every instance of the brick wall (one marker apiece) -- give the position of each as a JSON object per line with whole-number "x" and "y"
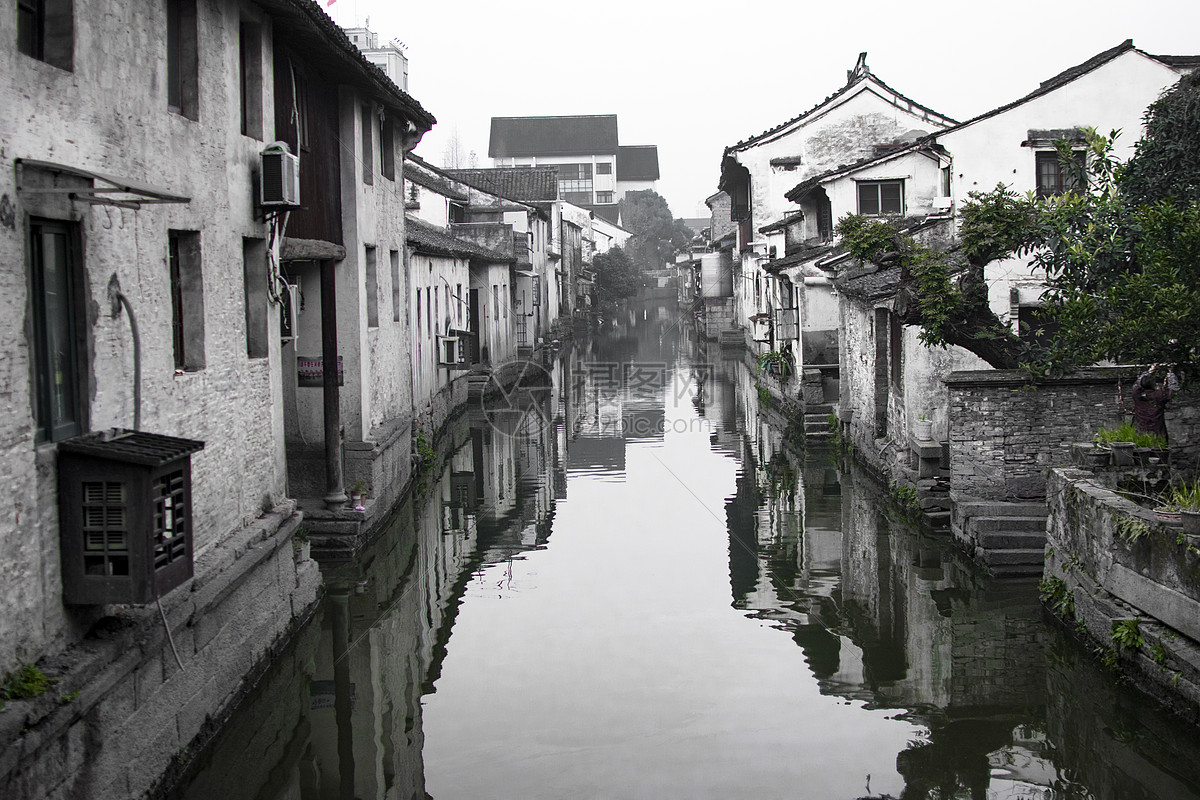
{"x": 1005, "y": 433}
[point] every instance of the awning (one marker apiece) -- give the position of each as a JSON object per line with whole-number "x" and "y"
{"x": 117, "y": 191}
{"x": 525, "y": 273}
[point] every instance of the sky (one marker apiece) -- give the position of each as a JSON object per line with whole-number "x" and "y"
{"x": 695, "y": 77}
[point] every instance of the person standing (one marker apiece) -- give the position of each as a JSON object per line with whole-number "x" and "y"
{"x": 1150, "y": 402}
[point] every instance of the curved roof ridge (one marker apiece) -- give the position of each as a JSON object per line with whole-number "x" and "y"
{"x": 855, "y": 79}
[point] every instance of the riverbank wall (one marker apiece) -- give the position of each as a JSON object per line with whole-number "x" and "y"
{"x": 134, "y": 697}
{"x": 1128, "y": 583}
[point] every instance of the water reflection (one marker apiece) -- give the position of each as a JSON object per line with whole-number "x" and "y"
{"x": 641, "y": 587}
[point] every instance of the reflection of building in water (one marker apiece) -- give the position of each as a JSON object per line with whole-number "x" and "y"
{"x": 377, "y": 646}
{"x": 886, "y": 615}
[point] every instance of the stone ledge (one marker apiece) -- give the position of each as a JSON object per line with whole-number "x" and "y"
{"x": 92, "y": 668}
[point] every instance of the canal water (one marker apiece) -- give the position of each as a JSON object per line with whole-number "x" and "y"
{"x": 627, "y": 579}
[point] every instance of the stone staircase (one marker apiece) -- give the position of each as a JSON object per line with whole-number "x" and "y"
{"x": 1009, "y": 538}
{"x": 934, "y": 495}
{"x": 816, "y": 423}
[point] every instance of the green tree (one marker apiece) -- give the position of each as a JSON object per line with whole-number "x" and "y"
{"x": 616, "y": 276}
{"x": 656, "y": 234}
{"x": 1121, "y": 259}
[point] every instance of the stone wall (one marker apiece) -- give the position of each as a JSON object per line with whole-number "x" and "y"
{"x": 122, "y": 710}
{"x": 718, "y": 316}
{"x": 1108, "y": 560}
{"x": 1005, "y": 433}
{"x": 109, "y": 115}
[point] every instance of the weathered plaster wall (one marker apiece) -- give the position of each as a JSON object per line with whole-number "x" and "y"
{"x": 922, "y": 182}
{"x": 1005, "y": 433}
{"x": 990, "y": 152}
{"x": 110, "y": 115}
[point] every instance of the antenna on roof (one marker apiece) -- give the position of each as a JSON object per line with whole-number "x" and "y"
{"x": 860, "y": 68}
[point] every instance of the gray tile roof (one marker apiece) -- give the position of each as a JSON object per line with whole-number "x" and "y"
{"x": 526, "y": 184}
{"x": 553, "y": 136}
{"x": 427, "y": 238}
{"x": 637, "y": 163}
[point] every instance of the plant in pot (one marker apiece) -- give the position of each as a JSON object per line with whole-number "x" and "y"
{"x": 1184, "y": 499}
{"x": 1123, "y": 439}
{"x": 923, "y": 428}
{"x": 775, "y": 362}
{"x": 356, "y": 495}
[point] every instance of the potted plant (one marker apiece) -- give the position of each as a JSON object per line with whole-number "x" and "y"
{"x": 356, "y": 495}
{"x": 775, "y": 362}
{"x": 923, "y": 428}
{"x": 1122, "y": 440}
{"x": 1184, "y": 499}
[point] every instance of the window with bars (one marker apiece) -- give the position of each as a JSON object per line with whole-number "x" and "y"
{"x": 1054, "y": 177}
{"x": 105, "y": 528}
{"x": 171, "y": 522}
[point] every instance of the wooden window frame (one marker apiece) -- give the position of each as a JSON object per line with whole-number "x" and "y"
{"x": 183, "y": 65}
{"x": 58, "y": 405}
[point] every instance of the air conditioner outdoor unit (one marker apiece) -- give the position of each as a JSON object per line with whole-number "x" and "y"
{"x": 279, "y": 177}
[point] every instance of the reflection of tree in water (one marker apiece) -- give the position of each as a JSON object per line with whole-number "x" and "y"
{"x": 953, "y": 762}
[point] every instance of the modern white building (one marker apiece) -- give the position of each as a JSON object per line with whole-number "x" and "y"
{"x": 594, "y": 170}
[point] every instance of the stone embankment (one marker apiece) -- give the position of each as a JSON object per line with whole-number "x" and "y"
{"x": 131, "y": 702}
{"x": 1128, "y": 583}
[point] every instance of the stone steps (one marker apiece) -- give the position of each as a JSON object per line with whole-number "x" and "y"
{"x": 1016, "y": 557}
{"x": 1007, "y": 540}
{"x": 1021, "y": 524}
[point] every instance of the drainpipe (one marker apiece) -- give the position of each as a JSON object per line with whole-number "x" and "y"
{"x": 117, "y": 299}
{"x": 335, "y": 492}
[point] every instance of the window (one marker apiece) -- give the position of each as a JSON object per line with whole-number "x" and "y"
{"x": 251, "y": 78}
{"x": 1054, "y": 177}
{"x": 372, "y": 280}
{"x": 604, "y": 197}
{"x": 368, "y": 160}
{"x": 57, "y": 326}
{"x": 187, "y": 299}
{"x": 387, "y": 148}
{"x": 254, "y": 276}
{"x": 876, "y": 198}
{"x": 456, "y": 212}
{"x": 395, "y": 259}
{"x": 604, "y": 168}
{"x": 945, "y": 181}
{"x": 46, "y": 31}
{"x": 182, "y": 58}
{"x": 495, "y": 302}
{"x": 575, "y": 182}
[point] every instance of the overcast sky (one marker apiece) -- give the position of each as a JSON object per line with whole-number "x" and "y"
{"x": 694, "y": 77}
